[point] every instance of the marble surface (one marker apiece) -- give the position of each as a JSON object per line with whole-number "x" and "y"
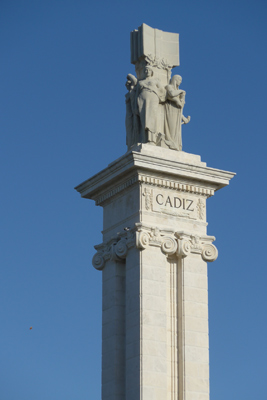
{"x": 153, "y": 259}
{"x": 154, "y": 101}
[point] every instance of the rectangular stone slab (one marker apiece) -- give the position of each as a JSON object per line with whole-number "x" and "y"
{"x": 159, "y": 44}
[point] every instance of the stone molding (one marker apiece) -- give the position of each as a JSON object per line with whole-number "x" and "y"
{"x": 110, "y": 193}
{"x": 172, "y": 184}
{"x": 179, "y": 244}
{"x": 153, "y": 181}
{"x": 146, "y": 163}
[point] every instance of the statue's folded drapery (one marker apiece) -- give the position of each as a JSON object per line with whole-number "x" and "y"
{"x": 174, "y": 113}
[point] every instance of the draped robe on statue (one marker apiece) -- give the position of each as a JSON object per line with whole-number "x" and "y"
{"x": 173, "y": 119}
{"x": 149, "y": 92}
{"x": 131, "y": 120}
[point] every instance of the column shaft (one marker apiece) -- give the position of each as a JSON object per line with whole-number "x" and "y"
{"x": 195, "y": 330}
{"x": 113, "y": 331}
{"x": 146, "y": 324}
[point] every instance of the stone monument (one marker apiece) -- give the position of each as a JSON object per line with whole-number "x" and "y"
{"x": 154, "y": 102}
{"x": 155, "y": 249}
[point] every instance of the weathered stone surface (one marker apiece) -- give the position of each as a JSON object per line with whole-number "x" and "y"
{"x": 154, "y": 102}
{"x": 153, "y": 259}
{"x": 155, "y": 333}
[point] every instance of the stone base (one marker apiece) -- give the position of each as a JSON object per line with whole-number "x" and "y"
{"x": 155, "y": 247}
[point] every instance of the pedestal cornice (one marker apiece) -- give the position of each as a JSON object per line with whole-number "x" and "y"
{"x": 155, "y": 166}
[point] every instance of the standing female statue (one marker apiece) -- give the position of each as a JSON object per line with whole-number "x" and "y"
{"x": 149, "y": 93}
{"x": 174, "y": 117}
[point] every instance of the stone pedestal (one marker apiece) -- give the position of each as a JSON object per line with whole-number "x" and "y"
{"x": 153, "y": 259}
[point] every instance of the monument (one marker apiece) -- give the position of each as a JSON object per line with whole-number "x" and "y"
{"x": 154, "y": 102}
{"x": 155, "y": 249}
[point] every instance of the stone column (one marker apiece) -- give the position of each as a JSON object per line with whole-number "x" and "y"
{"x": 113, "y": 318}
{"x": 153, "y": 258}
{"x": 146, "y": 341}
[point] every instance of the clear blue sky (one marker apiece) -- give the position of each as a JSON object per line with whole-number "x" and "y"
{"x": 63, "y": 70}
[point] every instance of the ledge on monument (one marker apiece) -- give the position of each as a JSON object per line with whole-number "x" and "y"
{"x": 157, "y": 155}
{"x": 165, "y": 163}
{"x": 167, "y": 154}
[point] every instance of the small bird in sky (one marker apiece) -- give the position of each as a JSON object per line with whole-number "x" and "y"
{"x": 30, "y": 328}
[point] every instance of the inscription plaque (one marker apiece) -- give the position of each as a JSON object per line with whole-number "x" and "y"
{"x": 176, "y": 203}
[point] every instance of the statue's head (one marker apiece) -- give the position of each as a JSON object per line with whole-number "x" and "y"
{"x": 176, "y": 80}
{"x": 149, "y": 71}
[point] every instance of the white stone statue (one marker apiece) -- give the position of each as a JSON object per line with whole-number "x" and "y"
{"x": 149, "y": 93}
{"x": 154, "y": 104}
{"x": 131, "y": 120}
{"x": 174, "y": 117}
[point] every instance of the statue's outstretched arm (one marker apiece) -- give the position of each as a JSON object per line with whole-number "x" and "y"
{"x": 185, "y": 120}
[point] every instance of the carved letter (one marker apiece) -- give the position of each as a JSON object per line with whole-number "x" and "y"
{"x": 175, "y": 204}
{"x": 168, "y": 201}
{"x": 190, "y": 203}
{"x": 158, "y": 200}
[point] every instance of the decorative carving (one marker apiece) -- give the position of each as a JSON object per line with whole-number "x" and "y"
{"x": 114, "y": 249}
{"x": 169, "y": 184}
{"x": 188, "y": 243}
{"x": 179, "y": 243}
{"x": 154, "y": 237}
{"x": 153, "y": 181}
{"x": 209, "y": 252}
{"x": 158, "y": 62}
{"x": 121, "y": 248}
{"x": 201, "y": 209}
{"x": 142, "y": 240}
{"x": 117, "y": 189}
{"x": 98, "y": 261}
{"x": 196, "y": 246}
{"x": 169, "y": 245}
{"x": 148, "y": 193}
{"x": 184, "y": 248}
{"x": 154, "y": 103}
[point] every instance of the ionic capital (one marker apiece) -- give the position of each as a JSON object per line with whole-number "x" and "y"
{"x": 190, "y": 243}
{"x": 154, "y": 237}
{"x": 115, "y": 249}
{"x": 179, "y": 244}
